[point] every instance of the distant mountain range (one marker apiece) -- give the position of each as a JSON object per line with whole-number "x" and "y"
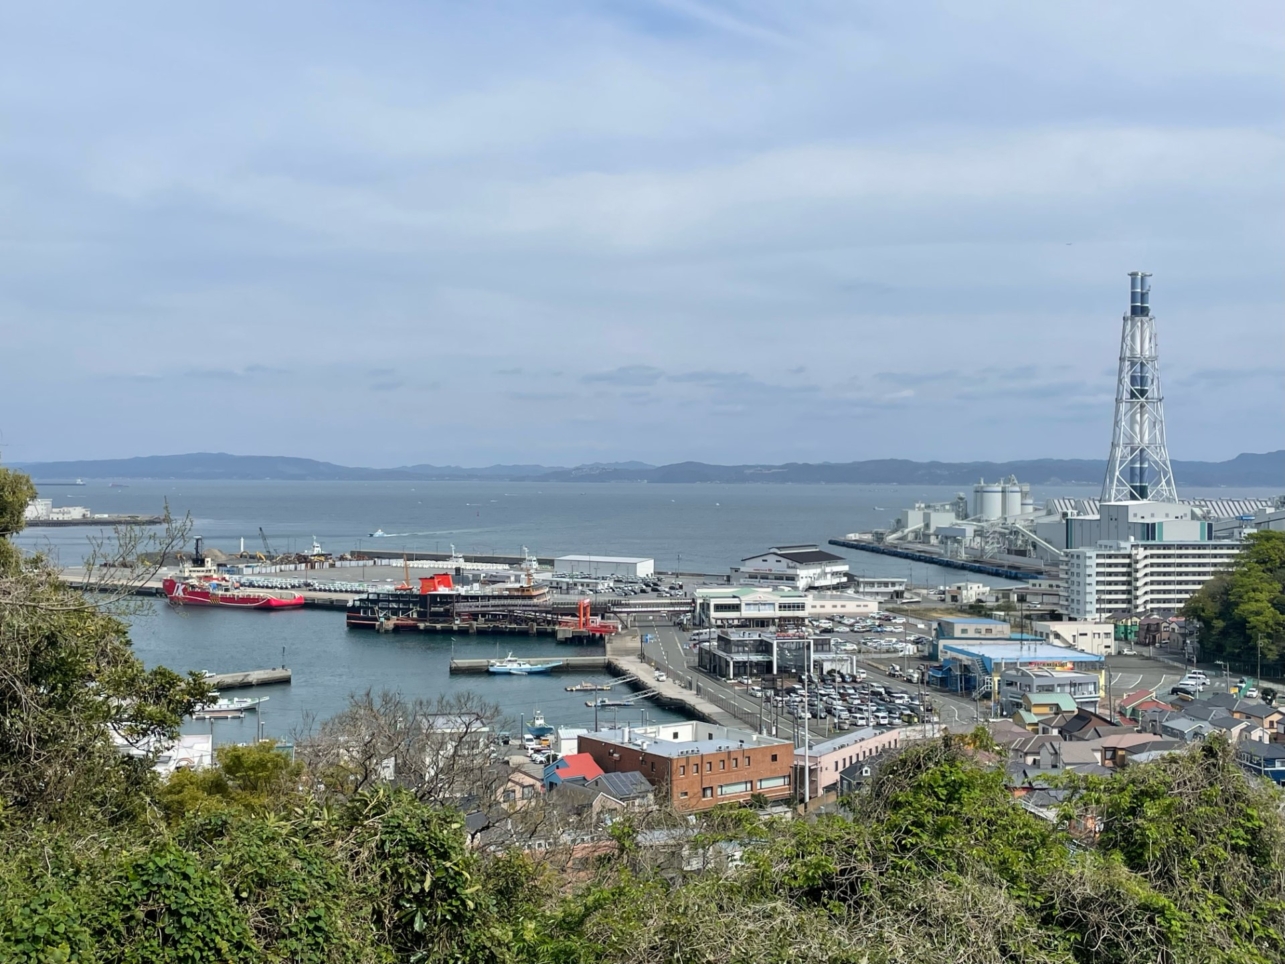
{"x": 1266, "y": 469}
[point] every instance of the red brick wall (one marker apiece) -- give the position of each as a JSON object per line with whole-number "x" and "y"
{"x": 684, "y": 779}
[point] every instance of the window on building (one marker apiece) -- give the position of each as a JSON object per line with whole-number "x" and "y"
{"x": 747, "y": 761}
{"x": 682, "y": 769}
{"x": 722, "y": 764}
{"x": 728, "y": 789}
{"x": 510, "y": 796}
{"x": 770, "y": 783}
{"x": 682, "y": 795}
{"x": 653, "y": 767}
{"x": 528, "y": 792}
{"x": 773, "y": 757}
{"x": 709, "y": 768}
{"x": 707, "y": 792}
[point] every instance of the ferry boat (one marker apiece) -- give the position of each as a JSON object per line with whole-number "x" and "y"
{"x": 199, "y": 584}
{"x": 513, "y": 666}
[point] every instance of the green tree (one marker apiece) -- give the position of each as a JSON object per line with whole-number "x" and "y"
{"x": 79, "y": 714}
{"x": 1244, "y": 607}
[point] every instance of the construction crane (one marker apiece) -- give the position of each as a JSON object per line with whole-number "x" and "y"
{"x": 267, "y": 547}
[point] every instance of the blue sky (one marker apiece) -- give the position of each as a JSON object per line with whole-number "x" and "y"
{"x": 385, "y": 233}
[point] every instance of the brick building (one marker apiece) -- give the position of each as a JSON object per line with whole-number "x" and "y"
{"x": 717, "y": 765}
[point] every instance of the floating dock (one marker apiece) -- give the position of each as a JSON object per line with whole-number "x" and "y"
{"x": 253, "y": 677}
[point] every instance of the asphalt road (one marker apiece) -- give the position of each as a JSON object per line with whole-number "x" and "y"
{"x": 671, "y": 651}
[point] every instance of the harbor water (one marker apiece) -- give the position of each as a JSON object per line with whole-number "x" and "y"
{"x": 331, "y": 662}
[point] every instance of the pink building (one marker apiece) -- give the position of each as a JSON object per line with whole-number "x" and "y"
{"x": 826, "y": 760}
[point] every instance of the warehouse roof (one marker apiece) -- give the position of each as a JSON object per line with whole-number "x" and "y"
{"x": 800, "y": 554}
{"x": 631, "y": 560}
{"x": 1015, "y": 652}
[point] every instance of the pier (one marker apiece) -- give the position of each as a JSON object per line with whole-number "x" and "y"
{"x": 987, "y": 569}
{"x": 253, "y": 677}
{"x": 569, "y": 664}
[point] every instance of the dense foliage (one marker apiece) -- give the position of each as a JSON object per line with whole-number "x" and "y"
{"x": 1243, "y": 608}
{"x": 1182, "y": 860}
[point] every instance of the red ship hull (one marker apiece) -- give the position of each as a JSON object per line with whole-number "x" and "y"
{"x": 192, "y": 594}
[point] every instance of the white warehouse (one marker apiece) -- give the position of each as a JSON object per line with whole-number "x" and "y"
{"x": 794, "y": 567}
{"x": 635, "y": 566}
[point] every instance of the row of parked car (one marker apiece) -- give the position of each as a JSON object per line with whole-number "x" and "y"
{"x": 1196, "y": 680}
{"x": 850, "y": 701}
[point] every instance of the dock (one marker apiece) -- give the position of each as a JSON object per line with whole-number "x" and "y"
{"x": 932, "y": 559}
{"x": 569, "y": 664}
{"x": 253, "y": 677}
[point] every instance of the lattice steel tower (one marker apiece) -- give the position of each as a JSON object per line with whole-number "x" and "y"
{"x": 1138, "y": 469}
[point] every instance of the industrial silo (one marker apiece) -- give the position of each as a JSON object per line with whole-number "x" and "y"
{"x": 1012, "y": 499}
{"x": 988, "y": 500}
{"x": 1028, "y": 500}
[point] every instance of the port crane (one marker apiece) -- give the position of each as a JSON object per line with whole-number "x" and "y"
{"x": 267, "y": 547}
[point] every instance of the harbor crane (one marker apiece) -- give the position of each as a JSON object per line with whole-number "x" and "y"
{"x": 267, "y": 547}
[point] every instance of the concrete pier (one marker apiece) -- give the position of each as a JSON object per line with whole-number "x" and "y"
{"x": 571, "y": 664}
{"x": 253, "y": 677}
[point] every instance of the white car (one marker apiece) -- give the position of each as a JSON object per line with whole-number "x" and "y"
{"x": 1193, "y": 682}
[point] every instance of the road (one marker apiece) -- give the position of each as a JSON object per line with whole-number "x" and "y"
{"x": 671, "y": 651}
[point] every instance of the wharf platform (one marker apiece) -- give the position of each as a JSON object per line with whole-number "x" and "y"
{"x": 570, "y": 664}
{"x": 932, "y": 559}
{"x": 252, "y": 677}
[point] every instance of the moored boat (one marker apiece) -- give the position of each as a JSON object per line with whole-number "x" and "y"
{"x": 225, "y": 592}
{"x": 226, "y": 709}
{"x": 513, "y": 666}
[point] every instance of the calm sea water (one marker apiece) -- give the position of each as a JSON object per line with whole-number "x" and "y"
{"x": 708, "y": 527}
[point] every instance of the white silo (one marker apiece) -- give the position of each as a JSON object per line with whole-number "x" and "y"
{"x": 1012, "y": 499}
{"x": 1028, "y": 500}
{"x": 988, "y": 500}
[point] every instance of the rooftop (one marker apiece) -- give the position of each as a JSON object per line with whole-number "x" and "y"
{"x": 1017, "y": 651}
{"x": 839, "y": 742}
{"x": 807, "y": 553}
{"x": 633, "y": 560}
{"x": 734, "y": 740}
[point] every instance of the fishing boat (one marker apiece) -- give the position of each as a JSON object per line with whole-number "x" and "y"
{"x": 602, "y": 701}
{"x": 538, "y": 727}
{"x": 512, "y": 666}
{"x": 379, "y": 534}
{"x": 587, "y": 687}
{"x": 226, "y": 709}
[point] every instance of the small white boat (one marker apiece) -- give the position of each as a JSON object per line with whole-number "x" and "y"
{"x": 226, "y": 709}
{"x": 512, "y": 666}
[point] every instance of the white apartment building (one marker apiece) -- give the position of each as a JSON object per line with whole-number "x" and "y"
{"x": 1154, "y": 577}
{"x": 798, "y": 567}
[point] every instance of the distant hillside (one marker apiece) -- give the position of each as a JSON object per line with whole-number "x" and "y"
{"x": 1260, "y": 470}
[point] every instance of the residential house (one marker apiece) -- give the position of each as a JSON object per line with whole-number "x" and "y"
{"x": 1263, "y": 759}
{"x": 1237, "y": 731}
{"x": 630, "y": 788}
{"x": 1114, "y": 750}
{"x": 575, "y": 768}
{"x": 1185, "y": 728}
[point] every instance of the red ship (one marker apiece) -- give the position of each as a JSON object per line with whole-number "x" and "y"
{"x": 202, "y": 585}
{"x": 217, "y": 592}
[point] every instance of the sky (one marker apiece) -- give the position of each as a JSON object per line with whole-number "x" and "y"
{"x": 404, "y": 231}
